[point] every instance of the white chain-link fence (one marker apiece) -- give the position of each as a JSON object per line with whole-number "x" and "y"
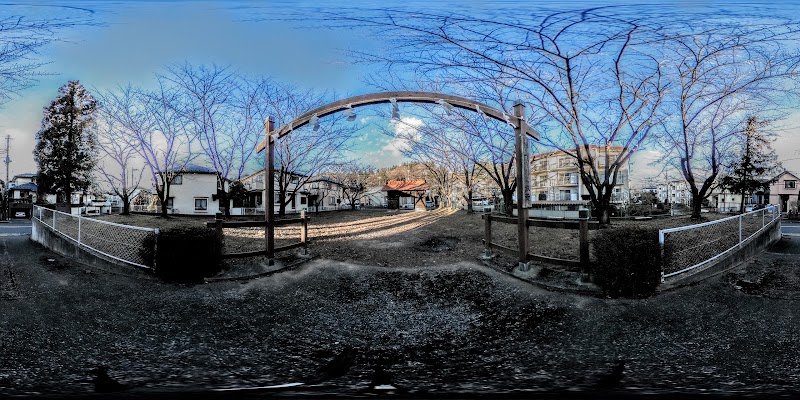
{"x": 688, "y": 247}
{"x": 130, "y": 244}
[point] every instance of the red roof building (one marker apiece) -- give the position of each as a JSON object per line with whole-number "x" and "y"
{"x": 417, "y": 189}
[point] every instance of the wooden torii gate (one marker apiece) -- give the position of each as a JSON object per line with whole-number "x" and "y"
{"x": 517, "y": 120}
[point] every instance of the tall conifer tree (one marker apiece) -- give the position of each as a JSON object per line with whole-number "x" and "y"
{"x": 65, "y": 148}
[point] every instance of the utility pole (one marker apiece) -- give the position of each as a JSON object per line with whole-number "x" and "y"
{"x": 8, "y": 157}
{"x": 4, "y": 196}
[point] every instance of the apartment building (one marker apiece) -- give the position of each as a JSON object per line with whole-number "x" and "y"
{"x": 674, "y": 192}
{"x": 555, "y": 177}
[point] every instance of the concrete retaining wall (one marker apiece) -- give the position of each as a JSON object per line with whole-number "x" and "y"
{"x": 743, "y": 252}
{"x": 60, "y": 244}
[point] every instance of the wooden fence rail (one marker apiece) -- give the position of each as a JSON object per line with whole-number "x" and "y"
{"x": 583, "y": 225}
{"x": 219, "y": 224}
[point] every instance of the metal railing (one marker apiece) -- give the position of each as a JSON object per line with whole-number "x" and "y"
{"x": 132, "y": 245}
{"x": 688, "y": 247}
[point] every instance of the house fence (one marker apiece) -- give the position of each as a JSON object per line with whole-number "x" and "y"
{"x": 132, "y": 245}
{"x": 689, "y": 247}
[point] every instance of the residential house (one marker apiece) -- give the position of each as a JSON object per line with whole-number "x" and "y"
{"x": 323, "y": 193}
{"x": 21, "y": 195}
{"x": 374, "y": 196}
{"x": 785, "y": 192}
{"x": 193, "y": 191}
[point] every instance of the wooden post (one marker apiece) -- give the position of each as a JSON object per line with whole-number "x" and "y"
{"x": 487, "y": 235}
{"x": 523, "y": 189}
{"x": 218, "y": 227}
{"x": 304, "y": 232}
{"x": 583, "y": 215}
{"x": 269, "y": 191}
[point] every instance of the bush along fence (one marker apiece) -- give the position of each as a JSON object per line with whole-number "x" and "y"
{"x": 583, "y": 225}
{"x": 130, "y": 245}
{"x": 693, "y": 247}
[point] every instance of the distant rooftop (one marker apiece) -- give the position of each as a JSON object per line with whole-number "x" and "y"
{"x": 25, "y": 175}
{"x": 25, "y": 186}
{"x": 194, "y": 169}
{"x": 406, "y": 186}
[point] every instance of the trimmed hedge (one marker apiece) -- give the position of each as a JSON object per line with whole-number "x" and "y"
{"x": 188, "y": 254}
{"x": 628, "y": 261}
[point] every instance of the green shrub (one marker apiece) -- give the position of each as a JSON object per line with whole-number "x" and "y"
{"x": 628, "y": 261}
{"x": 187, "y": 254}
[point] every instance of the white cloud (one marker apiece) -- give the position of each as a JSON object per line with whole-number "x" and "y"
{"x": 406, "y": 130}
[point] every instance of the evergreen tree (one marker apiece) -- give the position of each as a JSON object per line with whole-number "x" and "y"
{"x": 65, "y": 150}
{"x": 748, "y": 173}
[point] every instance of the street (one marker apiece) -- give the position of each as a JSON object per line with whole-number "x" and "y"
{"x": 15, "y": 227}
{"x": 790, "y": 228}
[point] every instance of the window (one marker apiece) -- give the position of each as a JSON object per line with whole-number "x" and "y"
{"x": 331, "y": 201}
{"x": 177, "y": 180}
{"x": 302, "y": 200}
{"x": 789, "y": 184}
{"x": 170, "y": 202}
{"x": 201, "y": 203}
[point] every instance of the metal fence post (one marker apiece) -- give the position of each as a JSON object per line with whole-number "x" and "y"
{"x": 661, "y": 248}
{"x": 740, "y": 228}
{"x": 79, "y": 230}
{"x": 54, "y": 220}
{"x": 155, "y": 249}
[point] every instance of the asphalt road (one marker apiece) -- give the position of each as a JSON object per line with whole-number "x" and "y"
{"x": 15, "y": 227}
{"x": 790, "y": 228}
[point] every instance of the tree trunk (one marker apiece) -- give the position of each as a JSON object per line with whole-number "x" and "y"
{"x": 603, "y": 209}
{"x": 164, "y": 197}
{"x": 696, "y": 210}
{"x": 126, "y": 205}
{"x": 508, "y": 201}
{"x": 282, "y": 205}
{"x": 469, "y": 201}
{"x": 741, "y": 203}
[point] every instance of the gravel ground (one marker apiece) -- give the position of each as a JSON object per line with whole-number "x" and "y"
{"x": 454, "y": 328}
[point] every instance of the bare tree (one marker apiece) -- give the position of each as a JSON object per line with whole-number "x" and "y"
{"x": 589, "y": 75}
{"x": 117, "y": 160}
{"x": 155, "y": 129}
{"x": 306, "y": 153}
{"x": 220, "y": 110}
{"x": 22, "y": 37}
{"x": 352, "y": 176}
{"x": 720, "y": 75}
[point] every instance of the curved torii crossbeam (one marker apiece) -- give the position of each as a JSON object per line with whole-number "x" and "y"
{"x": 400, "y": 97}
{"x": 521, "y": 129}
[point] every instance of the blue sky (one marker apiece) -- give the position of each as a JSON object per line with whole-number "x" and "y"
{"x": 138, "y": 38}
